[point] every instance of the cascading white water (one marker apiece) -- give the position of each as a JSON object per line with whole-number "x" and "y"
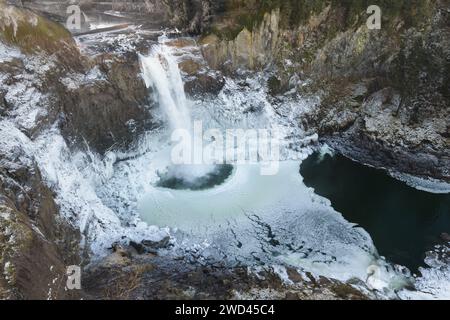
{"x": 160, "y": 72}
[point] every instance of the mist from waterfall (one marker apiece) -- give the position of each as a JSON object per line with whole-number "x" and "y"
{"x": 161, "y": 73}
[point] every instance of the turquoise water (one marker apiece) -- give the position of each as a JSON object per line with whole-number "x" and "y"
{"x": 403, "y": 222}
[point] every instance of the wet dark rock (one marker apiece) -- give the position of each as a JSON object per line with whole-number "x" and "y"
{"x": 275, "y": 86}
{"x": 163, "y": 243}
{"x": 115, "y": 246}
{"x": 190, "y": 67}
{"x": 204, "y": 84}
{"x": 140, "y": 248}
{"x": 294, "y": 275}
{"x": 374, "y": 152}
{"x": 445, "y": 237}
{"x": 3, "y": 102}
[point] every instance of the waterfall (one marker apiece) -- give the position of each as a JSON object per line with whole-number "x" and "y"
{"x": 161, "y": 73}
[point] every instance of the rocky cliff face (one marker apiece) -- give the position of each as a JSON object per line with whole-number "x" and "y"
{"x": 47, "y": 84}
{"x": 36, "y": 244}
{"x": 108, "y": 113}
{"x": 251, "y": 49}
{"x": 384, "y": 92}
{"x": 85, "y": 97}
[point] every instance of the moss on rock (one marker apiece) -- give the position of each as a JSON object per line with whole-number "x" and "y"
{"x": 32, "y": 33}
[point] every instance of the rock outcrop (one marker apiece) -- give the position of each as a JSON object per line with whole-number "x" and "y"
{"x": 108, "y": 113}
{"x": 251, "y": 49}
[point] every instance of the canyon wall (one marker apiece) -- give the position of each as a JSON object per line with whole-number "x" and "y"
{"x": 47, "y": 84}
{"x": 384, "y": 93}
{"x": 384, "y": 99}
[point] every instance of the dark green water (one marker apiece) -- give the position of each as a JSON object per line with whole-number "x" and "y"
{"x": 208, "y": 181}
{"x": 404, "y": 222}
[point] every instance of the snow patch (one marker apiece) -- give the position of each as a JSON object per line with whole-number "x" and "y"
{"x": 434, "y": 282}
{"x": 8, "y": 53}
{"x": 428, "y": 185}
{"x": 76, "y": 80}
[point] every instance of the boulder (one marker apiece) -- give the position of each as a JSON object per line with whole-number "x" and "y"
{"x": 204, "y": 84}
{"x": 163, "y": 243}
